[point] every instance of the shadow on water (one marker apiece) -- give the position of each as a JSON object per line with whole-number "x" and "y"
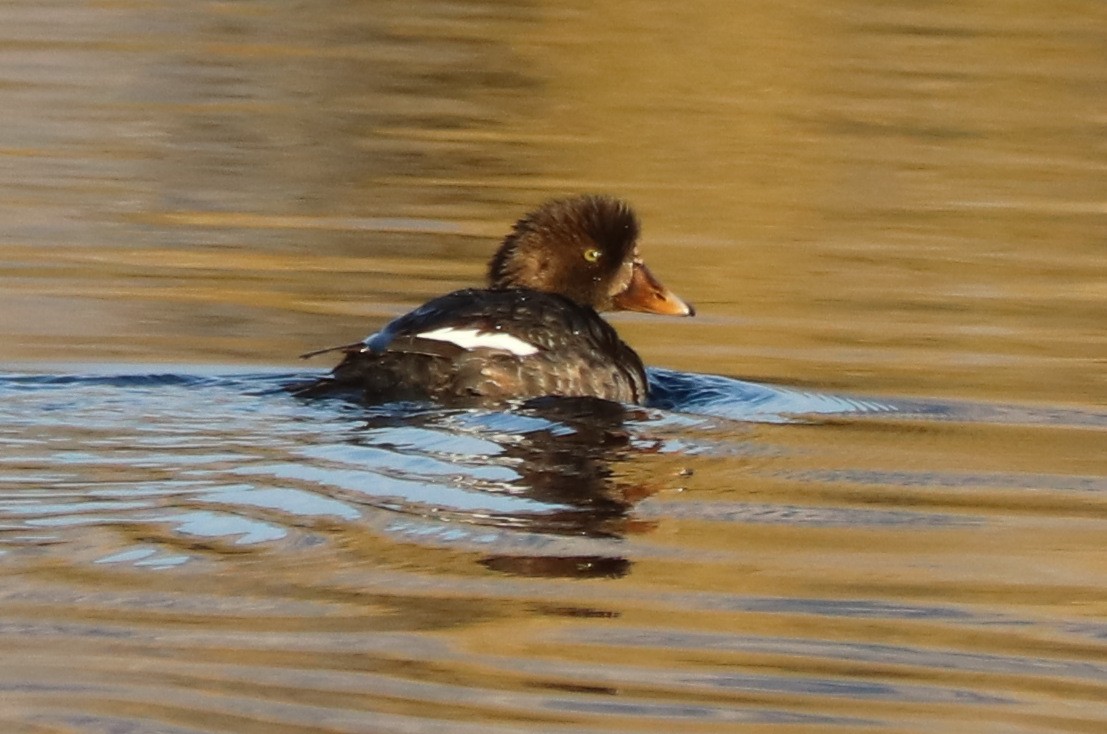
{"x": 550, "y": 468}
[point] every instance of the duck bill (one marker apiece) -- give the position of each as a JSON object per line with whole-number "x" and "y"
{"x": 646, "y": 293}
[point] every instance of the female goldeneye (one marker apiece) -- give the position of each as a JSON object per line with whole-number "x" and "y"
{"x": 533, "y": 331}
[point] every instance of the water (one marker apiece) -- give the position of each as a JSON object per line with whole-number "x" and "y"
{"x": 870, "y": 492}
{"x": 202, "y": 551}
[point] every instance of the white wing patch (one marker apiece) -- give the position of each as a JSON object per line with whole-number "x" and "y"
{"x": 473, "y": 339}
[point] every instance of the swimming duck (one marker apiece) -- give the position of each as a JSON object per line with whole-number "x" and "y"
{"x": 533, "y": 332}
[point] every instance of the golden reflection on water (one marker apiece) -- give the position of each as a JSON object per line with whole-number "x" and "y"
{"x": 889, "y": 199}
{"x": 885, "y": 199}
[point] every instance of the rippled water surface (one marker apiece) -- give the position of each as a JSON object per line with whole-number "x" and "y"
{"x": 869, "y": 492}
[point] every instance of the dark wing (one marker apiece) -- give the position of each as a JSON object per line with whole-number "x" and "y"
{"x": 491, "y": 343}
{"x": 431, "y": 315}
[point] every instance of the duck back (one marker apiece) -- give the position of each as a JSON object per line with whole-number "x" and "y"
{"x": 489, "y": 346}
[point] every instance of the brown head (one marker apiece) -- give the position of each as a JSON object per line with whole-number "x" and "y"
{"x": 586, "y": 249}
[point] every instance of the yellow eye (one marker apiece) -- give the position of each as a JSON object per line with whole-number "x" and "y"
{"x": 592, "y": 255}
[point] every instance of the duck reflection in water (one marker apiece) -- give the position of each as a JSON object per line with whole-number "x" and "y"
{"x": 563, "y": 462}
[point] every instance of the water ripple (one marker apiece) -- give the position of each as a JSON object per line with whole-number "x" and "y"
{"x": 710, "y": 561}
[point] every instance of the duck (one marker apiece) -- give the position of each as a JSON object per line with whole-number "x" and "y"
{"x": 533, "y": 331}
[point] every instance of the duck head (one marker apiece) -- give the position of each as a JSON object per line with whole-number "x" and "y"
{"x": 586, "y": 249}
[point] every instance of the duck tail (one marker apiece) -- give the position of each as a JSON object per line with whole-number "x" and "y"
{"x": 346, "y": 348}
